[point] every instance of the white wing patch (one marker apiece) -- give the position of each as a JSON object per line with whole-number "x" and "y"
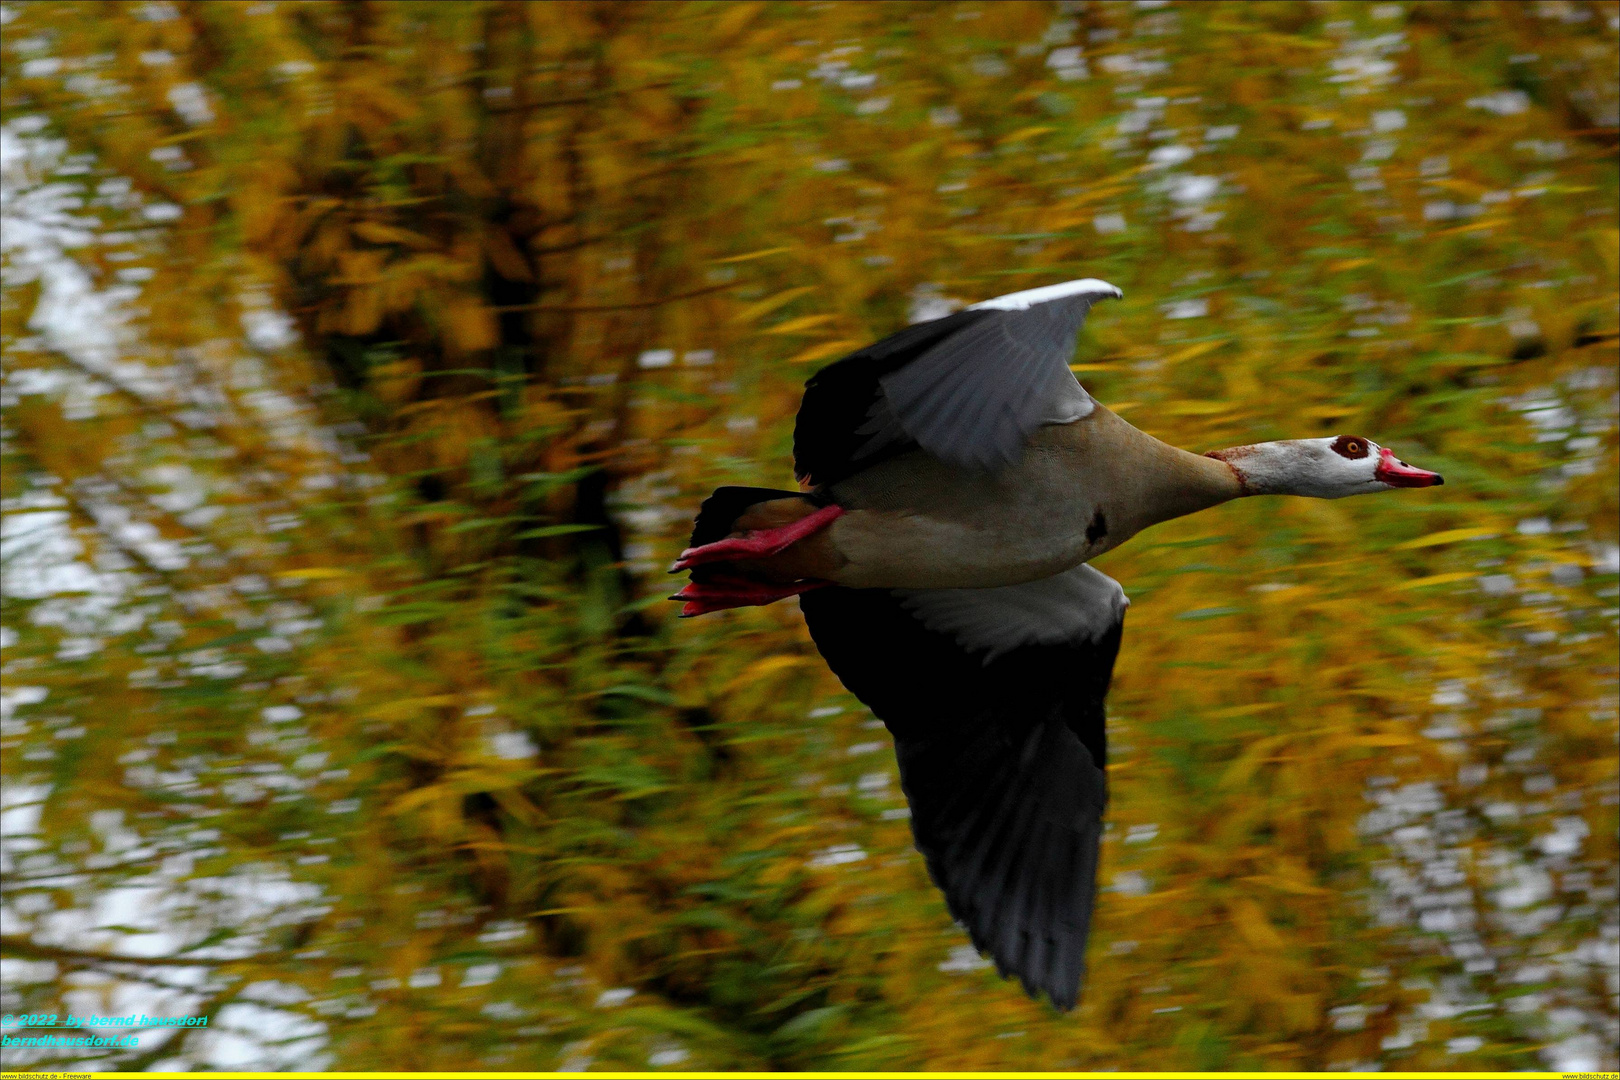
{"x": 1069, "y": 403}
{"x": 1023, "y": 301}
{"x": 1077, "y": 605}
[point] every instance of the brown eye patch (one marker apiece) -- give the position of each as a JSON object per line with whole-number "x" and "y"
{"x": 1349, "y": 446}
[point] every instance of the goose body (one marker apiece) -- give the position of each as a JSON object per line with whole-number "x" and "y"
{"x": 959, "y": 480}
{"x": 1078, "y": 490}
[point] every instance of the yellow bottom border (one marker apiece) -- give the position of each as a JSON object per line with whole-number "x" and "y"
{"x": 57, "y": 1074}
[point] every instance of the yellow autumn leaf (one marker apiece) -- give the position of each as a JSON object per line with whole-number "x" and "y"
{"x": 407, "y": 706}
{"x": 1381, "y": 739}
{"x": 1239, "y": 772}
{"x": 735, "y": 16}
{"x": 1288, "y": 885}
{"x": 1255, "y": 928}
{"x": 469, "y": 323}
{"x": 763, "y": 669}
{"x": 1607, "y": 243}
{"x": 750, "y": 256}
{"x": 1196, "y": 349}
{"x": 514, "y": 803}
{"x": 801, "y": 324}
{"x": 1023, "y": 134}
{"x": 770, "y": 304}
{"x": 1244, "y": 710}
{"x": 578, "y": 909}
{"x": 505, "y": 256}
{"x": 824, "y": 350}
{"x": 378, "y": 233}
{"x": 1473, "y": 226}
{"x": 362, "y": 311}
{"x": 1438, "y": 579}
{"x": 421, "y": 798}
{"x": 1449, "y": 536}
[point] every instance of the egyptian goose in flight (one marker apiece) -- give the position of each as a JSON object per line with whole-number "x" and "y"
{"x": 957, "y": 481}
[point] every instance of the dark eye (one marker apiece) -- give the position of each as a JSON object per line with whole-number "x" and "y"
{"x": 1349, "y": 446}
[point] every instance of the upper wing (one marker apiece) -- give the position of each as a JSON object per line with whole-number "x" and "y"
{"x": 995, "y": 701}
{"x": 968, "y": 388}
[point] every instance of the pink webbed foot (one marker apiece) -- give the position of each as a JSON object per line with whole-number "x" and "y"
{"x": 720, "y": 593}
{"x": 758, "y": 543}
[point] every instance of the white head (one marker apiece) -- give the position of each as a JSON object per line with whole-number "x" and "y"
{"x": 1322, "y": 468}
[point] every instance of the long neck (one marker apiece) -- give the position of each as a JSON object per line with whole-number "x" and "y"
{"x": 1272, "y": 468}
{"x": 1163, "y": 482}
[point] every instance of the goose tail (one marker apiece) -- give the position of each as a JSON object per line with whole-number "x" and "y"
{"x": 737, "y": 533}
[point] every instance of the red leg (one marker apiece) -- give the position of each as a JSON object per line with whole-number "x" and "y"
{"x": 718, "y": 594}
{"x": 757, "y": 544}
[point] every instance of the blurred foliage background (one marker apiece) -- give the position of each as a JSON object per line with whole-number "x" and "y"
{"x": 366, "y": 361}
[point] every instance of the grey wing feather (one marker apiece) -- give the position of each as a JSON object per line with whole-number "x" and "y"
{"x": 1080, "y": 604}
{"x": 975, "y": 397}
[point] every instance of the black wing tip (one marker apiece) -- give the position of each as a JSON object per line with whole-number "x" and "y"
{"x": 1064, "y": 1003}
{"x": 1051, "y": 984}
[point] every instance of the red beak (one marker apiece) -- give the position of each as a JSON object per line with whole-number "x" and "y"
{"x": 1397, "y": 473}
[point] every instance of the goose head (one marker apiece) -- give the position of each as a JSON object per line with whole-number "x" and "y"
{"x": 1329, "y": 468}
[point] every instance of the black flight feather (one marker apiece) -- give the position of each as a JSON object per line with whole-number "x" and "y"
{"x": 1002, "y": 763}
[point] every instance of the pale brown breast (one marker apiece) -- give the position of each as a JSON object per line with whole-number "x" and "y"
{"x": 916, "y": 522}
{"x": 1078, "y": 490}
